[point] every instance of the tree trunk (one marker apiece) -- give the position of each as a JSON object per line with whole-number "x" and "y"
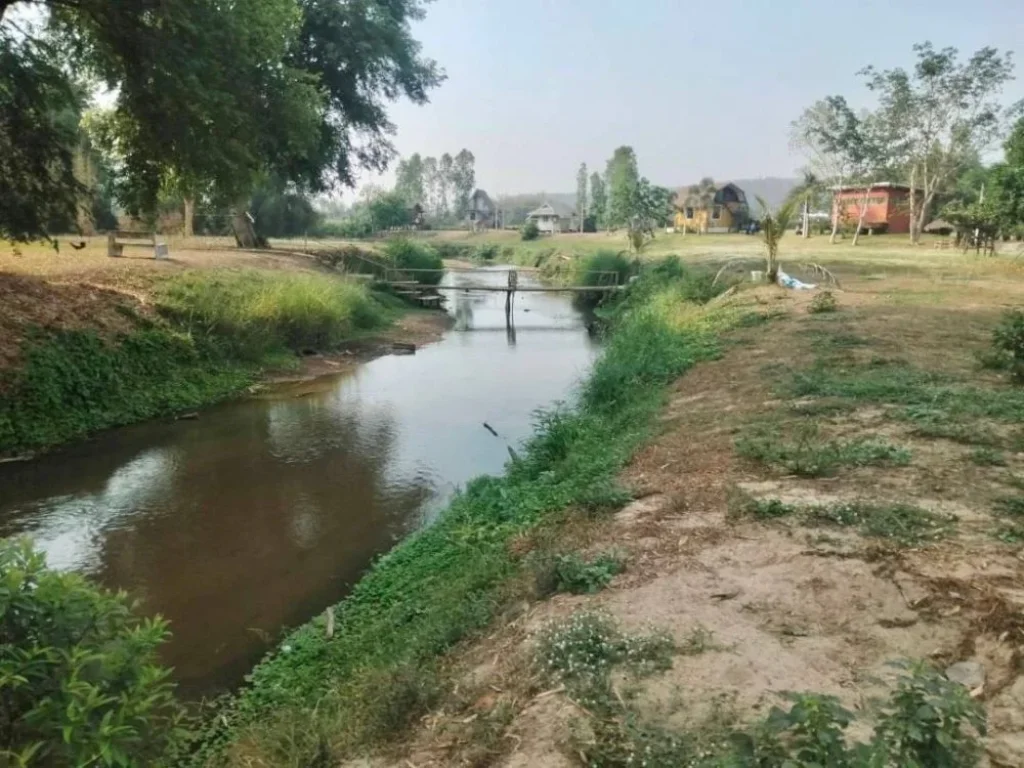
{"x": 245, "y": 234}
{"x": 863, "y": 214}
{"x": 188, "y": 224}
{"x": 807, "y": 216}
{"x": 915, "y": 234}
{"x": 835, "y": 217}
{"x": 922, "y": 214}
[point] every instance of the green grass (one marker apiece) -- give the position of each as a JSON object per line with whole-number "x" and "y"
{"x": 809, "y": 456}
{"x": 447, "y": 582}
{"x": 987, "y": 457}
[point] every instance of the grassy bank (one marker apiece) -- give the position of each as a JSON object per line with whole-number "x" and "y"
{"x": 318, "y": 699}
{"x": 205, "y": 336}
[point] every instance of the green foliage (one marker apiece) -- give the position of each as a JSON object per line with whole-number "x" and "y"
{"x": 927, "y": 722}
{"x": 582, "y": 651}
{"x": 823, "y": 302}
{"x": 1008, "y": 340}
{"x": 282, "y": 213}
{"x": 585, "y": 577}
{"x": 445, "y": 583}
{"x": 388, "y": 211}
{"x": 529, "y": 231}
{"x": 403, "y": 253}
{"x": 79, "y": 679}
{"x": 254, "y": 314}
{"x": 930, "y": 721}
{"x": 809, "y": 456}
{"x": 72, "y": 383}
{"x": 598, "y": 199}
{"x": 600, "y": 268}
{"x": 39, "y": 111}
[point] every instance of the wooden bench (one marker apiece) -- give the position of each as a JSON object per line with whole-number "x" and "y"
{"x": 123, "y": 238}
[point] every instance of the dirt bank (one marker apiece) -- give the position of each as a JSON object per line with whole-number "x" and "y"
{"x": 838, "y": 492}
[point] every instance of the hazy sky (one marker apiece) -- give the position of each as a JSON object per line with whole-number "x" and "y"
{"x": 697, "y": 88}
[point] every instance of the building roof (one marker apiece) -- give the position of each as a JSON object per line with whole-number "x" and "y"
{"x": 876, "y": 185}
{"x": 682, "y": 197}
{"x": 552, "y": 209}
{"x": 480, "y": 200}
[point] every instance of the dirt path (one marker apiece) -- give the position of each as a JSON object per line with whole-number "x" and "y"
{"x": 740, "y": 557}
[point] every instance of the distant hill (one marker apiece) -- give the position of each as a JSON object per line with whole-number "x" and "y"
{"x": 773, "y": 189}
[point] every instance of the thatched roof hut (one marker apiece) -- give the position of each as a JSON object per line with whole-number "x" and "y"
{"x": 939, "y": 227}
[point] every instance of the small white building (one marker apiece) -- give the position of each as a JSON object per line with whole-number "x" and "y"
{"x": 554, "y": 217}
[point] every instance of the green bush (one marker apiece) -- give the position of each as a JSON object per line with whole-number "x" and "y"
{"x": 403, "y": 253}
{"x": 585, "y": 577}
{"x": 252, "y": 314}
{"x": 599, "y": 269}
{"x": 79, "y": 680}
{"x": 530, "y": 230}
{"x": 1008, "y": 339}
{"x": 823, "y": 302}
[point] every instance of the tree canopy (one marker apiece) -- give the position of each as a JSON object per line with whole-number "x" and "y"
{"x": 211, "y": 97}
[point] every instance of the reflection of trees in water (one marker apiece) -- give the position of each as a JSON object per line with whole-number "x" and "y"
{"x": 264, "y": 530}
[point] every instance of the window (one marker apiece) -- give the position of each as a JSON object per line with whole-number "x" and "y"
{"x": 716, "y": 213}
{"x": 689, "y": 213}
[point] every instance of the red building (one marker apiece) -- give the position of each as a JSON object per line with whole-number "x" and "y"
{"x": 888, "y": 207}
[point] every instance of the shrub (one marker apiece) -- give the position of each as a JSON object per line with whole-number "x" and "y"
{"x": 598, "y": 269}
{"x": 530, "y": 230}
{"x": 410, "y": 254}
{"x": 78, "y": 673}
{"x": 1008, "y": 339}
{"x": 824, "y": 301}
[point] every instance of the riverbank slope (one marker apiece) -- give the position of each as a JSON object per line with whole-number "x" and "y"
{"x": 87, "y": 344}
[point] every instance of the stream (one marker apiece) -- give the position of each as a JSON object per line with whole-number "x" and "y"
{"x": 263, "y": 511}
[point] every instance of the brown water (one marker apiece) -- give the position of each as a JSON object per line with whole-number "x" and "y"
{"x": 263, "y": 512}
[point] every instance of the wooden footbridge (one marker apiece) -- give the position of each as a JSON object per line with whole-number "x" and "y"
{"x": 404, "y": 282}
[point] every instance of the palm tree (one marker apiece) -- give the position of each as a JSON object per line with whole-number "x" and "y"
{"x": 773, "y": 226}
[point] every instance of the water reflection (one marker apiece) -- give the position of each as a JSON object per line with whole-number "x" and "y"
{"x": 262, "y": 512}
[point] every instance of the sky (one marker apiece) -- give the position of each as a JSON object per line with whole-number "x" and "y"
{"x": 535, "y": 87}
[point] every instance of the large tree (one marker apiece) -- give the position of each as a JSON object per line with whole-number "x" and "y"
{"x": 622, "y": 177}
{"x": 446, "y": 185}
{"x": 937, "y": 117}
{"x": 842, "y": 148}
{"x": 215, "y": 95}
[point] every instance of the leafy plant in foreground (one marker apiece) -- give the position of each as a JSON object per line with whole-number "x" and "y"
{"x": 79, "y": 680}
{"x": 1008, "y": 339}
{"x": 584, "y": 577}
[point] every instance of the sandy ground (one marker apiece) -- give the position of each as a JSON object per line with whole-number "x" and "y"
{"x": 789, "y": 608}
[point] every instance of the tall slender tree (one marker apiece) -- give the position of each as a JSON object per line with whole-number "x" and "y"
{"x": 622, "y": 177}
{"x": 598, "y": 199}
{"x": 463, "y": 181}
{"x": 446, "y": 185}
{"x": 581, "y": 194}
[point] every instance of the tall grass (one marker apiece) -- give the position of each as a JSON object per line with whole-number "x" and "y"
{"x": 320, "y": 699}
{"x": 601, "y": 269}
{"x": 253, "y": 314}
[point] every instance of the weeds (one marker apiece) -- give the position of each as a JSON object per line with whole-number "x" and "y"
{"x": 987, "y": 457}
{"x": 902, "y": 523}
{"x": 808, "y": 456}
{"x": 926, "y": 721}
{"x": 411, "y": 254}
{"x": 580, "y": 652}
{"x": 585, "y": 577}
{"x": 823, "y": 301}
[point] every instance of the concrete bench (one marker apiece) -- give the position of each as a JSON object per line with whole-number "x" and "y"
{"x": 121, "y": 239}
